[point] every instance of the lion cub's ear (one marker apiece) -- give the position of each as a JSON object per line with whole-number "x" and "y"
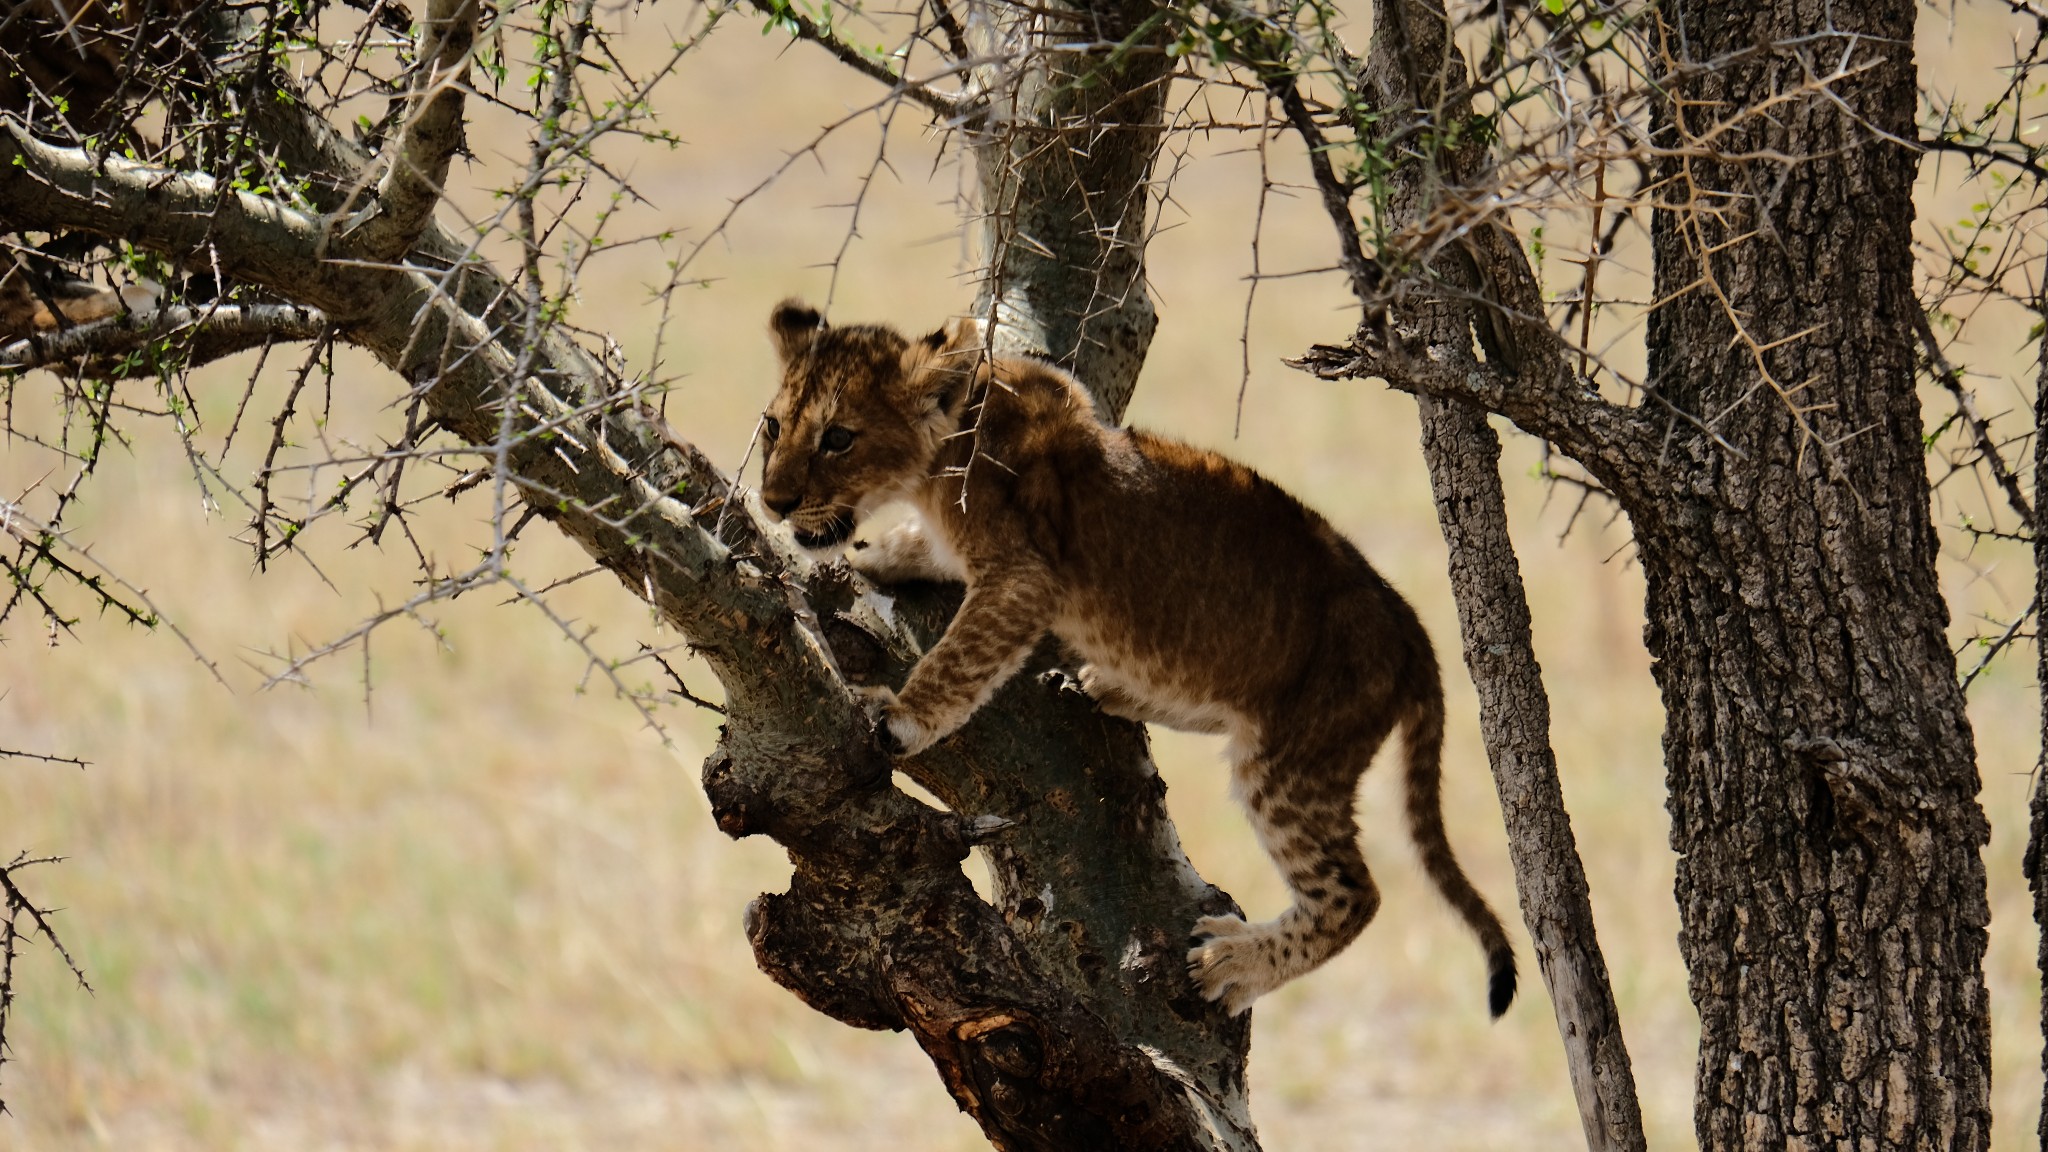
{"x": 793, "y": 326}
{"x": 940, "y": 368}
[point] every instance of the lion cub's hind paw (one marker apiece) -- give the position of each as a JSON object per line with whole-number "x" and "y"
{"x": 1231, "y": 962}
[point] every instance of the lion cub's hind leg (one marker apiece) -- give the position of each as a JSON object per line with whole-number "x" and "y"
{"x": 905, "y": 553}
{"x": 1302, "y": 814}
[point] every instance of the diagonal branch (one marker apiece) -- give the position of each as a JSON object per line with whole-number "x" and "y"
{"x": 1427, "y": 350}
{"x": 1365, "y": 272}
{"x": 1463, "y": 454}
{"x": 1980, "y": 431}
{"x": 2035, "y": 862}
{"x": 947, "y": 107}
{"x": 1616, "y": 444}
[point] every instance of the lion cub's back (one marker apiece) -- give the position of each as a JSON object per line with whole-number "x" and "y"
{"x": 1193, "y": 560}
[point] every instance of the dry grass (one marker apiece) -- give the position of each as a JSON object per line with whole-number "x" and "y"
{"x": 486, "y": 909}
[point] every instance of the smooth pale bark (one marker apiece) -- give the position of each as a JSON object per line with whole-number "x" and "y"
{"x": 1064, "y": 154}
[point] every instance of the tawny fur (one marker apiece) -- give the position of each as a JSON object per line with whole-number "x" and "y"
{"x": 24, "y": 310}
{"x": 1199, "y": 595}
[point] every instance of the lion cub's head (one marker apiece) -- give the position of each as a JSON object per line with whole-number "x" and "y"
{"x": 860, "y": 416}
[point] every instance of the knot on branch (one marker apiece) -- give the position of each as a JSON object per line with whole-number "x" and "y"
{"x": 737, "y": 807}
{"x": 1054, "y": 1084}
{"x": 799, "y": 804}
{"x": 1002, "y": 1056}
{"x": 816, "y": 957}
{"x": 1005, "y": 1044}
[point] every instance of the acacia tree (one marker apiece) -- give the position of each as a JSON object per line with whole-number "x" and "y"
{"x": 1822, "y": 780}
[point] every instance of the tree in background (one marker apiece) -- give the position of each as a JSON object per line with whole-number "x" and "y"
{"x": 270, "y": 176}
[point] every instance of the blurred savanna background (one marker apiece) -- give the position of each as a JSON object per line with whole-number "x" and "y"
{"x": 447, "y": 890}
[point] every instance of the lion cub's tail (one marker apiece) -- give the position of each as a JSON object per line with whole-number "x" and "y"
{"x": 1425, "y": 747}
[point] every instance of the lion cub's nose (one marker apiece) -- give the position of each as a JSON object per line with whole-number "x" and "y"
{"x": 781, "y": 506}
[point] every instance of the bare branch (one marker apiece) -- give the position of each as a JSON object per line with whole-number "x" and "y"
{"x": 1986, "y": 153}
{"x": 949, "y": 108}
{"x": 16, "y": 906}
{"x": 204, "y": 334}
{"x": 1617, "y": 444}
{"x": 1365, "y": 273}
{"x": 19, "y": 907}
{"x": 1994, "y": 645}
{"x": 39, "y": 540}
{"x": 18, "y": 902}
{"x": 1980, "y": 431}
{"x": 47, "y": 759}
{"x": 949, "y": 23}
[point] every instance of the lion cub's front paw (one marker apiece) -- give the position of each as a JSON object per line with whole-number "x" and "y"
{"x": 896, "y": 730}
{"x": 1231, "y": 962}
{"x": 898, "y": 556}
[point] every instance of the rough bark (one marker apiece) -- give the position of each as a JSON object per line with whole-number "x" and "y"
{"x": 1463, "y": 454}
{"x": 1061, "y": 1018}
{"x": 1822, "y": 774}
{"x": 1411, "y": 64}
{"x": 1064, "y": 154}
{"x": 2036, "y": 860}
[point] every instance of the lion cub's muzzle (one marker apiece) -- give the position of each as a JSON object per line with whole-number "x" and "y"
{"x": 821, "y": 529}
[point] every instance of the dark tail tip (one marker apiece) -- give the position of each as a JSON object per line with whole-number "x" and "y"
{"x": 1500, "y": 981}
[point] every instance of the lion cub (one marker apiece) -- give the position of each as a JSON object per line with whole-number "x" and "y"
{"x": 1200, "y": 596}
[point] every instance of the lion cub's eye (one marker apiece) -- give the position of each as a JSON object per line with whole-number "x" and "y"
{"x": 771, "y": 428}
{"x": 837, "y": 439}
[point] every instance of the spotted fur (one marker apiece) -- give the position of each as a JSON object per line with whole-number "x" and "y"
{"x": 1199, "y": 595}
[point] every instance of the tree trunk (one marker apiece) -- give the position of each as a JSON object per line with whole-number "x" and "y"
{"x": 1064, "y": 158}
{"x": 1822, "y": 775}
{"x": 2036, "y": 860}
{"x": 1412, "y": 63}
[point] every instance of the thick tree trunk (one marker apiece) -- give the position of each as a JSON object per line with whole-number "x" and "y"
{"x": 1823, "y": 784}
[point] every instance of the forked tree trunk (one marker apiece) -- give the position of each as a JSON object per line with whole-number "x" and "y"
{"x": 1822, "y": 774}
{"x": 1064, "y": 159}
{"x": 1061, "y": 1017}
